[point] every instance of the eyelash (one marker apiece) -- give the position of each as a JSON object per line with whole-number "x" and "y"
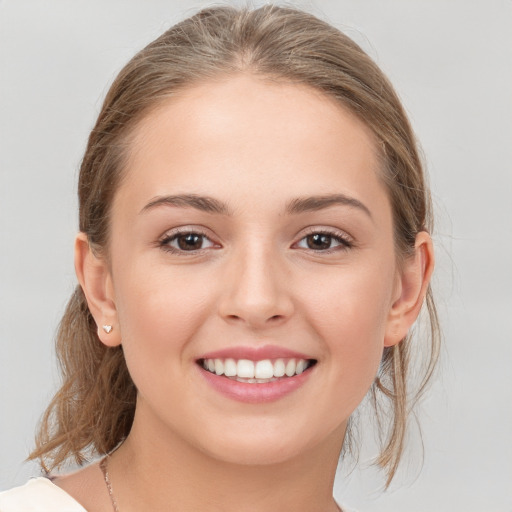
{"x": 345, "y": 242}
{"x": 342, "y": 238}
{"x": 165, "y": 242}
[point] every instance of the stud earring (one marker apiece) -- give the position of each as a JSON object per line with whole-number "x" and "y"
{"x": 107, "y": 328}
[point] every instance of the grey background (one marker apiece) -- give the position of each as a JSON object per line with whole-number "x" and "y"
{"x": 451, "y": 62}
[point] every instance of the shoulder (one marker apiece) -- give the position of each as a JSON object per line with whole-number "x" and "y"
{"x": 38, "y": 495}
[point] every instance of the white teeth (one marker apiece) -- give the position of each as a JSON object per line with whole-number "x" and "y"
{"x": 279, "y": 368}
{"x": 290, "y": 368}
{"x": 245, "y": 370}
{"x": 229, "y": 367}
{"x": 219, "y": 367}
{"x": 264, "y": 369}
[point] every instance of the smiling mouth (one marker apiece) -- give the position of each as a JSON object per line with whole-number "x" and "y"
{"x": 256, "y": 372}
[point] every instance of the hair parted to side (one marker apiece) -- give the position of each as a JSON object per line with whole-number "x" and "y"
{"x": 94, "y": 409}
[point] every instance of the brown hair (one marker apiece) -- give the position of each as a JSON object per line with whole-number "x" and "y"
{"x": 94, "y": 409}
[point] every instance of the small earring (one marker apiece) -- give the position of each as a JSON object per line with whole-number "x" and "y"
{"x": 107, "y": 328}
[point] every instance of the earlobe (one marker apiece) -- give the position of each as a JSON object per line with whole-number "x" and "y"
{"x": 411, "y": 289}
{"x": 95, "y": 279}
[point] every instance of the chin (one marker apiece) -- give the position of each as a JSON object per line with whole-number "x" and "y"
{"x": 261, "y": 446}
{"x": 252, "y": 455}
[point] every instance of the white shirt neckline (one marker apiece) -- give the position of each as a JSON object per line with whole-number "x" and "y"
{"x": 41, "y": 491}
{"x": 37, "y": 494}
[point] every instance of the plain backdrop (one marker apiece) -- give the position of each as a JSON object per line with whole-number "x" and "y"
{"x": 451, "y": 62}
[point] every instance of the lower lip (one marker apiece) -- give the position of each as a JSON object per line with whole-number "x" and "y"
{"x": 257, "y": 392}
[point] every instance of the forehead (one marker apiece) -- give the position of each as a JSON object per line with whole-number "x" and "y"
{"x": 245, "y": 133}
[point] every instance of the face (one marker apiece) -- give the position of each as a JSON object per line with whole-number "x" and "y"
{"x": 251, "y": 234}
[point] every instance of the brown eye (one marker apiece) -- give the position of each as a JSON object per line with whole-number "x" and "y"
{"x": 190, "y": 242}
{"x": 186, "y": 242}
{"x": 319, "y": 241}
{"x": 324, "y": 242}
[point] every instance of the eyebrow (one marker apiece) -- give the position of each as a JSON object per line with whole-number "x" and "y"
{"x": 295, "y": 206}
{"x": 315, "y": 203}
{"x": 203, "y": 203}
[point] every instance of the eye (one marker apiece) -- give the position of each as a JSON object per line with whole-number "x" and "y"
{"x": 321, "y": 241}
{"x": 186, "y": 241}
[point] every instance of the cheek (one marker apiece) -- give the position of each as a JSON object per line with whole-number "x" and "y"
{"x": 353, "y": 303}
{"x": 160, "y": 311}
{"x": 351, "y": 317}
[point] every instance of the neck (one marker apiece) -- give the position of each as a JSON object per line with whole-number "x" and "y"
{"x": 156, "y": 470}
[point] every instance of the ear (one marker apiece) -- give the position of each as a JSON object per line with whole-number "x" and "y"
{"x": 94, "y": 276}
{"x": 411, "y": 287}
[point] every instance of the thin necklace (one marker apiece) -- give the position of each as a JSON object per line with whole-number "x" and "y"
{"x": 104, "y": 470}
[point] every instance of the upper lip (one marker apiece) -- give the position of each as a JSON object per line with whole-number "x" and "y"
{"x": 255, "y": 353}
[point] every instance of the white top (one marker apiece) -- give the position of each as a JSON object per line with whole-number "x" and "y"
{"x": 38, "y": 495}
{"x": 42, "y": 495}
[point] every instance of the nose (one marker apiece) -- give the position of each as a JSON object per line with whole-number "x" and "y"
{"x": 257, "y": 290}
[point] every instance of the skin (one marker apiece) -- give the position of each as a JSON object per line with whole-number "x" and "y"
{"x": 254, "y": 146}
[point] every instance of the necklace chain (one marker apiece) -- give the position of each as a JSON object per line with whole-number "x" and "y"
{"x": 104, "y": 470}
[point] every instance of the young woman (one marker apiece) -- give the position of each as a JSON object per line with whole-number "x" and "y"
{"x": 253, "y": 251}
